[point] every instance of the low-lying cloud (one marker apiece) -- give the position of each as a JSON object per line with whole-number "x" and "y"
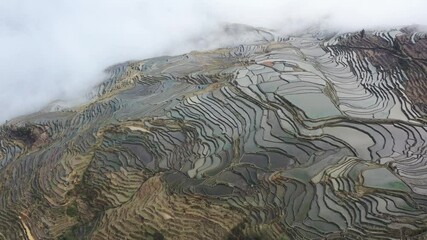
{"x": 58, "y": 49}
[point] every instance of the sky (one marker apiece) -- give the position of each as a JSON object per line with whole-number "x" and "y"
{"x": 58, "y": 49}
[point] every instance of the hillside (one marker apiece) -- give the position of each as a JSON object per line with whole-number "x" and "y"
{"x": 316, "y": 135}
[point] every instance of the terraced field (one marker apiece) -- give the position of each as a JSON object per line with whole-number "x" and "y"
{"x": 305, "y": 137}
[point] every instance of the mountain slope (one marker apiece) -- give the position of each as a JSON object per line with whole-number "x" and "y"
{"x": 301, "y": 137}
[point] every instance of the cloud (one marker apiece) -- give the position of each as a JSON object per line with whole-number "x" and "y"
{"x": 58, "y": 49}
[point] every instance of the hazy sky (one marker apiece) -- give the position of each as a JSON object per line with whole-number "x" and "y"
{"x": 52, "y": 49}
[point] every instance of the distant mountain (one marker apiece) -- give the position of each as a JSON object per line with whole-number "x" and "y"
{"x": 311, "y": 136}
